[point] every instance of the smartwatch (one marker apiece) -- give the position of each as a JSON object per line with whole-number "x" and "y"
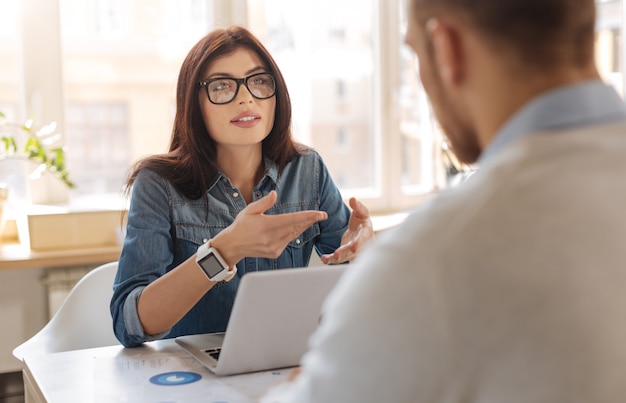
{"x": 211, "y": 263}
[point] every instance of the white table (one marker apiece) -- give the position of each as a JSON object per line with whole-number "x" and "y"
{"x": 159, "y": 371}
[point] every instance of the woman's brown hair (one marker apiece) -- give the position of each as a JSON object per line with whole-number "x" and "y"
{"x": 191, "y": 162}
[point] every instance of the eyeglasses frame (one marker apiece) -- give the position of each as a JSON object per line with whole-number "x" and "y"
{"x": 205, "y": 84}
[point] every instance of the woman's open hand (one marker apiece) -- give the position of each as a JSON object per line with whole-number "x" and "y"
{"x": 360, "y": 230}
{"x": 255, "y": 234}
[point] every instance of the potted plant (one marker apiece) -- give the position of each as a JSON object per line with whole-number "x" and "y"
{"x": 38, "y": 149}
{"x": 35, "y": 148}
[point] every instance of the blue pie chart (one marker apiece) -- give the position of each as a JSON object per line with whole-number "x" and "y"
{"x": 175, "y": 378}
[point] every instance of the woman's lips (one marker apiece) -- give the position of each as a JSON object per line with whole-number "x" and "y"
{"x": 246, "y": 120}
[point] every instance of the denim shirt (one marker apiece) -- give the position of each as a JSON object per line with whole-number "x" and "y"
{"x": 165, "y": 228}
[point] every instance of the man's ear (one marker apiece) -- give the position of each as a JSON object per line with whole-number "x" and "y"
{"x": 448, "y": 52}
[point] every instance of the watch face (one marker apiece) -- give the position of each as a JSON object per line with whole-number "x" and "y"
{"x": 210, "y": 265}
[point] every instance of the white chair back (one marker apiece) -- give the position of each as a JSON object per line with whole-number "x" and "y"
{"x": 82, "y": 321}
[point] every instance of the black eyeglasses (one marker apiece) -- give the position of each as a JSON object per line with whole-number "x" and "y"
{"x": 223, "y": 90}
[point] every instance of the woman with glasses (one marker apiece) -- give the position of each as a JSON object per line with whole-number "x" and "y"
{"x": 233, "y": 194}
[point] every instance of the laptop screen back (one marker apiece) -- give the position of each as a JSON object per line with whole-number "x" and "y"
{"x": 274, "y": 314}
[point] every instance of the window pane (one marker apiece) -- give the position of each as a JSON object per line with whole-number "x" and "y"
{"x": 327, "y": 59}
{"x": 9, "y": 67}
{"x": 120, "y": 65}
{"x": 418, "y": 127}
{"x": 11, "y": 172}
{"x": 98, "y": 134}
{"x": 609, "y": 42}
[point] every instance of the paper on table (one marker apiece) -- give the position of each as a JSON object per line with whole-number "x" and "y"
{"x": 174, "y": 377}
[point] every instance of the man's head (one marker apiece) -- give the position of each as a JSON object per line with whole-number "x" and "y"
{"x": 471, "y": 52}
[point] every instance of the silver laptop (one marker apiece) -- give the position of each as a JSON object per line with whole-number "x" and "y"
{"x": 274, "y": 313}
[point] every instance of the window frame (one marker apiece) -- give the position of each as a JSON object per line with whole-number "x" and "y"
{"x": 44, "y": 87}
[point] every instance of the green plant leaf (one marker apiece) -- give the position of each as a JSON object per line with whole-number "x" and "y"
{"x": 53, "y": 161}
{"x": 9, "y": 144}
{"x": 34, "y": 150}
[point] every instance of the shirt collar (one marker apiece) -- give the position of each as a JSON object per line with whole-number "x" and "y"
{"x": 271, "y": 172}
{"x": 577, "y": 105}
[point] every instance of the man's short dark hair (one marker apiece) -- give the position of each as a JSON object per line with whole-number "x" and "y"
{"x": 540, "y": 32}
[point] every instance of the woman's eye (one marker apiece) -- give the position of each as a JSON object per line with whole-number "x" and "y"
{"x": 262, "y": 81}
{"x": 221, "y": 85}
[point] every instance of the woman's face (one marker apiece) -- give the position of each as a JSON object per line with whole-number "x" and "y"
{"x": 245, "y": 120}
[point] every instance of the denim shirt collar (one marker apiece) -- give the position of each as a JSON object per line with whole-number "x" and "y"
{"x": 578, "y": 105}
{"x": 271, "y": 172}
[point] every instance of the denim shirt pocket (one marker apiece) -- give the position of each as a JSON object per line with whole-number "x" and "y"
{"x": 190, "y": 237}
{"x": 298, "y": 251}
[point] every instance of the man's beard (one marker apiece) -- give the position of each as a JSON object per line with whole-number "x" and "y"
{"x": 456, "y": 126}
{"x": 463, "y": 143}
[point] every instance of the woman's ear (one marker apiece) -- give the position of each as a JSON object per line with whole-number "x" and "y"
{"x": 448, "y": 51}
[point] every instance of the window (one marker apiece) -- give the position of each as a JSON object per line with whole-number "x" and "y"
{"x": 9, "y": 54}
{"x": 343, "y": 139}
{"x": 421, "y": 166}
{"x": 120, "y": 64}
{"x": 95, "y": 18}
{"x": 98, "y": 134}
{"x": 609, "y": 42}
{"x": 329, "y": 72}
{"x": 10, "y": 101}
{"x": 355, "y": 91}
{"x": 354, "y": 100}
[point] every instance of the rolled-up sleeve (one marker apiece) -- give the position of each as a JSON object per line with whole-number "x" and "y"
{"x": 147, "y": 254}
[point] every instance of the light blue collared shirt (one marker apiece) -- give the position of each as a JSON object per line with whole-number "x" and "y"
{"x": 578, "y": 105}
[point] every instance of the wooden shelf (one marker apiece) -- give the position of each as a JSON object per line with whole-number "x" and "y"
{"x": 18, "y": 256}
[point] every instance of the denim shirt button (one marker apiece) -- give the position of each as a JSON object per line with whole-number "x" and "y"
{"x": 298, "y": 241}
{"x": 258, "y": 194}
{"x": 235, "y": 194}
